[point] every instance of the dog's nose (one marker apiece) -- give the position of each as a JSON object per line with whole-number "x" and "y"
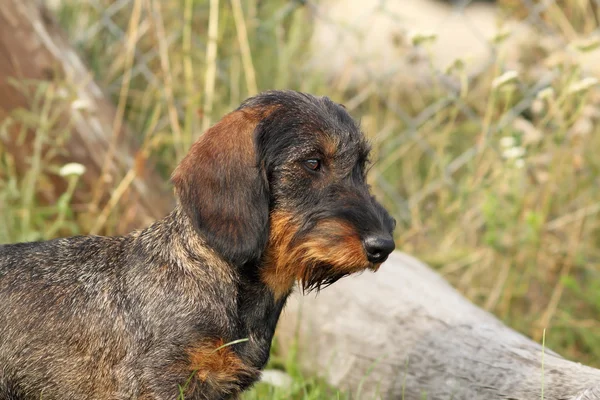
{"x": 378, "y": 247}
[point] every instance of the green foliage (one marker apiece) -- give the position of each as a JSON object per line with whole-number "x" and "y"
{"x": 502, "y": 199}
{"x": 24, "y": 216}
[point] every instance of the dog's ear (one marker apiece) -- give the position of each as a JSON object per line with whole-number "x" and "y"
{"x": 223, "y": 189}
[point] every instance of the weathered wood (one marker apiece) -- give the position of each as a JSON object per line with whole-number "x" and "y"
{"x": 403, "y": 331}
{"x": 34, "y": 49}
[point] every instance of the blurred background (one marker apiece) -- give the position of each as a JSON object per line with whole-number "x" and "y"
{"x": 483, "y": 116}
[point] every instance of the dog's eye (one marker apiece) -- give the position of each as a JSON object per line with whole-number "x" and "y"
{"x": 312, "y": 164}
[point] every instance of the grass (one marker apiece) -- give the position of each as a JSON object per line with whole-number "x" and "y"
{"x": 543, "y": 353}
{"x": 26, "y": 215}
{"x": 303, "y": 387}
{"x": 497, "y": 188}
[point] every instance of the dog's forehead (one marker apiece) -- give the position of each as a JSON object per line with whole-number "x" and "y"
{"x": 329, "y": 122}
{"x": 306, "y": 121}
{"x": 334, "y": 139}
{"x": 298, "y": 109}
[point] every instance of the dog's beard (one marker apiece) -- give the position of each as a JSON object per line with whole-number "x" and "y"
{"x": 318, "y": 276}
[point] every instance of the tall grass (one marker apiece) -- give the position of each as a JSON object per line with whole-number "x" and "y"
{"x": 24, "y": 213}
{"x": 497, "y": 186}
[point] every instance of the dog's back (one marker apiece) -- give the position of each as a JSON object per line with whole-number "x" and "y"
{"x": 46, "y": 290}
{"x": 94, "y": 317}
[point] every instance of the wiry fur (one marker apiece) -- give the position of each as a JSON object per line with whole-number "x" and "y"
{"x": 140, "y": 316}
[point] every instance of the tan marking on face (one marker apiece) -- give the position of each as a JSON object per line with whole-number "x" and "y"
{"x": 330, "y": 145}
{"x": 332, "y": 242}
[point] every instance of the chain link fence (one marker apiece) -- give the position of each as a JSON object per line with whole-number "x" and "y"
{"x": 390, "y": 39}
{"x": 482, "y": 115}
{"x": 367, "y": 50}
{"x": 364, "y": 51}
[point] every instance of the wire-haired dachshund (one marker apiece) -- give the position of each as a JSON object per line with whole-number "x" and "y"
{"x": 273, "y": 194}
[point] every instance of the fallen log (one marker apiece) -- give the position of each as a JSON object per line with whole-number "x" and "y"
{"x": 405, "y": 333}
{"x": 35, "y": 51}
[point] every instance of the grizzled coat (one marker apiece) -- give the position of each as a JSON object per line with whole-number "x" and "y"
{"x": 272, "y": 194}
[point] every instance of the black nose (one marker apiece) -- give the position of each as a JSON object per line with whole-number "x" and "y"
{"x": 378, "y": 247}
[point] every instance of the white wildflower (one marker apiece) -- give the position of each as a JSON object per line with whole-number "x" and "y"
{"x": 72, "y": 169}
{"x": 62, "y": 93}
{"x": 80, "y": 104}
{"x": 507, "y": 141}
{"x": 529, "y": 133}
{"x": 538, "y": 106}
{"x": 513, "y": 153}
{"x": 520, "y": 163}
{"x": 583, "y": 85}
{"x": 546, "y": 93}
{"x": 504, "y": 79}
{"x": 583, "y": 127}
{"x": 276, "y": 378}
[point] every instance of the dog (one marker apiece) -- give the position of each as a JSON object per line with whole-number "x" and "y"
{"x": 272, "y": 195}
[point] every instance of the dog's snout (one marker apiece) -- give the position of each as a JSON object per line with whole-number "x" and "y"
{"x": 378, "y": 247}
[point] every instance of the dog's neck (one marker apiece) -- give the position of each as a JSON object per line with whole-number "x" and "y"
{"x": 258, "y": 310}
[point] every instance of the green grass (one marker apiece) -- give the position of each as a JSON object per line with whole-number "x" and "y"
{"x": 518, "y": 236}
{"x": 303, "y": 387}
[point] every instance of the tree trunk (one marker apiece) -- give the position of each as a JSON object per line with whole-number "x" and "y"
{"x": 34, "y": 49}
{"x": 404, "y": 333}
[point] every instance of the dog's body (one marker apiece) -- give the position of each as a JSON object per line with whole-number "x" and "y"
{"x": 272, "y": 194}
{"x": 122, "y": 318}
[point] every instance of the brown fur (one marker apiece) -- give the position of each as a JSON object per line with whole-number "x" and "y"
{"x": 332, "y": 242}
{"x": 224, "y": 160}
{"x": 214, "y": 363}
{"x": 272, "y": 194}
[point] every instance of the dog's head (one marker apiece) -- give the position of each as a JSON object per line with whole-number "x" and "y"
{"x": 281, "y": 183}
